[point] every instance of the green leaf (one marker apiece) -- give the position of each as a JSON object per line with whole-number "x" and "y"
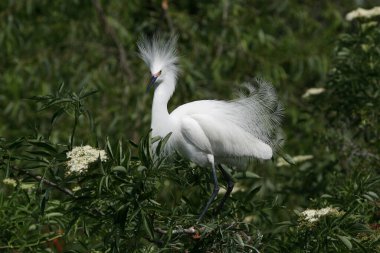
{"x": 85, "y": 228}
{"x": 133, "y": 144}
{"x": 87, "y": 94}
{"x": 288, "y": 159}
{"x": 346, "y": 241}
{"x": 121, "y": 216}
{"x": 56, "y": 115}
{"x": 246, "y": 174}
{"x": 373, "y": 194}
{"x": 43, "y": 201}
{"x": 162, "y": 143}
{"x": 55, "y": 102}
{"x": 61, "y": 87}
{"x": 119, "y": 168}
{"x": 252, "y": 192}
{"x": 147, "y": 226}
{"x": 54, "y": 214}
{"x": 39, "y": 153}
{"x": 239, "y": 240}
{"x": 121, "y": 154}
{"x": 15, "y": 144}
{"x": 109, "y": 148}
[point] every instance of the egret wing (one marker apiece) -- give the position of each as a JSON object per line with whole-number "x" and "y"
{"x": 222, "y": 139}
{"x": 194, "y": 133}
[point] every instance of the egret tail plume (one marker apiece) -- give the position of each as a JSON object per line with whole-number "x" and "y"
{"x": 259, "y": 112}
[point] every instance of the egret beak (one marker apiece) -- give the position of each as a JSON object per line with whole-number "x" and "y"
{"x": 151, "y": 83}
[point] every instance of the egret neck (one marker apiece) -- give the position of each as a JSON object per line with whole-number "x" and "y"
{"x": 160, "y": 114}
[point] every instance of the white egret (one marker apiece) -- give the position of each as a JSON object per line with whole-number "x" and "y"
{"x": 211, "y": 132}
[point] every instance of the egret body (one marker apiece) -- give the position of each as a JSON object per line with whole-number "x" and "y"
{"x": 211, "y": 132}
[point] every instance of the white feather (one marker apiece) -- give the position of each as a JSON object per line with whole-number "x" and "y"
{"x": 244, "y": 128}
{"x": 159, "y": 54}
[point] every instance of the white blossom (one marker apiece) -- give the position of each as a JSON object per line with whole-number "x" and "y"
{"x": 363, "y": 13}
{"x": 10, "y": 181}
{"x": 313, "y": 91}
{"x": 313, "y": 215}
{"x": 81, "y": 157}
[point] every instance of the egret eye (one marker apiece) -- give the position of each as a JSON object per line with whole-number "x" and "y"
{"x": 157, "y": 74}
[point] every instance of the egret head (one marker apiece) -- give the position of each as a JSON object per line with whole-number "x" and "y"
{"x": 160, "y": 56}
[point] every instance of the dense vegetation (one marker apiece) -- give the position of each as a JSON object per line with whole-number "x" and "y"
{"x": 70, "y": 76}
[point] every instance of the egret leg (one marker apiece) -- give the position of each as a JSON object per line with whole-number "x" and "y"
{"x": 216, "y": 187}
{"x": 230, "y": 186}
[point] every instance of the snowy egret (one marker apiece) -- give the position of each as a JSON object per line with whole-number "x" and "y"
{"x": 211, "y": 132}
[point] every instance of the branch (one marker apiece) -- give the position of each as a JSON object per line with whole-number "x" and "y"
{"x": 111, "y": 32}
{"x": 32, "y": 244}
{"x": 165, "y": 8}
{"x": 43, "y": 180}
{"x": 189, "y": 231}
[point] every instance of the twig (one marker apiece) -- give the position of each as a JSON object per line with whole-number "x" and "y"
{"x": 111, "y": 32}
{"x": 190, "y": 231}
{"x": 32, "y": 244}
{"x": 165, "y": 8}
{"x": 43, "y": 180}
{"x": 158, "y": 242}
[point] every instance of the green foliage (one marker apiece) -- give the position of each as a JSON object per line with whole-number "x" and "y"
{"x": 118, "y": 204}
{"x": 137, "y": 201}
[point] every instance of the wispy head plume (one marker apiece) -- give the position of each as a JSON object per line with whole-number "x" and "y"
{"x": 158, "y": 53}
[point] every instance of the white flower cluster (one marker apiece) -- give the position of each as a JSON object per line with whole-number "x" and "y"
{"x": 313, "y": 215}
{"x": 363, "y": 13}
{"x": 81, "y": 157}
{"x": 10, "y": 181}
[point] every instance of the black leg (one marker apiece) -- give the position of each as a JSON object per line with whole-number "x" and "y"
{"x": 230, "y": 186}
{"x": 215, "y": 191}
